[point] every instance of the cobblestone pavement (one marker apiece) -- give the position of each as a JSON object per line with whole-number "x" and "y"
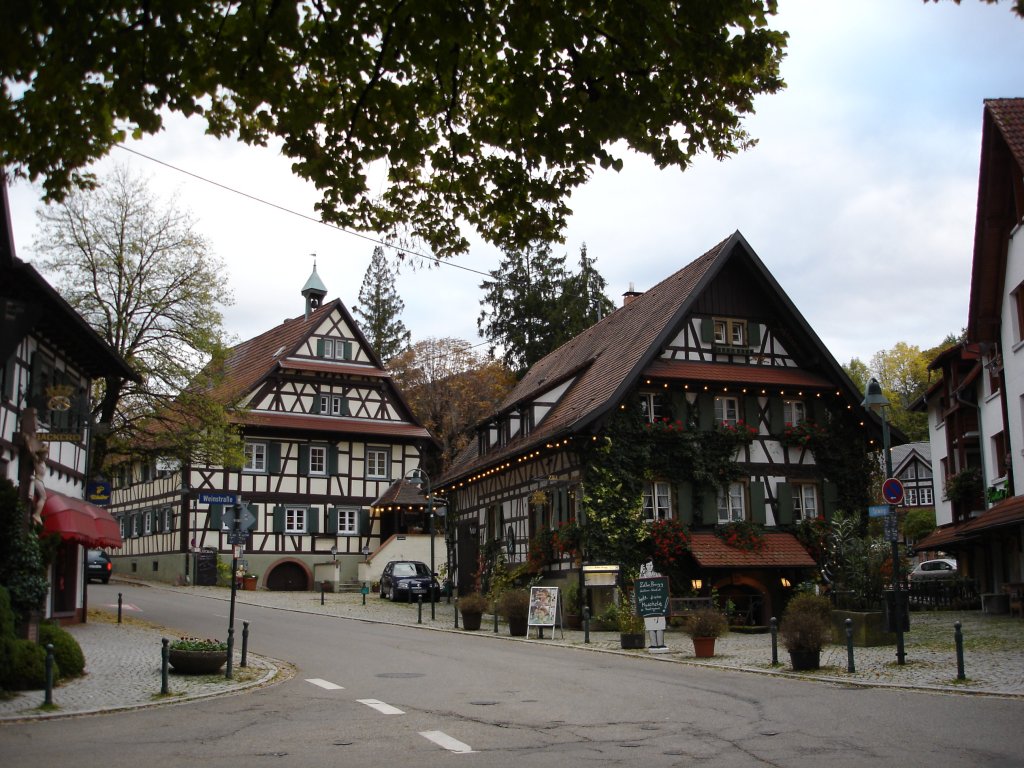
{"x": 130, "y": 678}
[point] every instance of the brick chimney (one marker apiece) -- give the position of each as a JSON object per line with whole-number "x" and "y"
{"x": 629, "y": 295}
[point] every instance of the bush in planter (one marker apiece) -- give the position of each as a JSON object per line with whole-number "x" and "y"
{"x": 471, "y": 607}
{"x": 23, "y": 665}
{"x": 705, "y": 622}
{"x": 806, "y": 627}
{"x": 514, "y": 606}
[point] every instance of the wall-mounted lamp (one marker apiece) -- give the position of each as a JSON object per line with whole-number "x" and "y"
{"x": 334, "y": 553}
{"x": 786, "y": 583}
{"x": 696, "y": 584}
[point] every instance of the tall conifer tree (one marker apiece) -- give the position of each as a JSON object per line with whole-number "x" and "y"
{"x": 380, "y": 308}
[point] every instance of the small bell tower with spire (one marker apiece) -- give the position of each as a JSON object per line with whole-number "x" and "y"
{"x": 314, "y": 290}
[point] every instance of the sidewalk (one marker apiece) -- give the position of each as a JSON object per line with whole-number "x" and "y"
{"x": 123, "y": 661}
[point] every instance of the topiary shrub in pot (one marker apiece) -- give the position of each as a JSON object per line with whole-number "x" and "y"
{"x": 806, "y": 627}
{"x": 514, "y": 607}
{"x": 471, "y": 608}
{"x": 704, "y": 626}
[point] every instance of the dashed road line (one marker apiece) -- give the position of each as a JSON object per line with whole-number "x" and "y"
{"x": 380, "y": 706}
{"x": 445, "y": 741}
{"x": 326, "y": 684}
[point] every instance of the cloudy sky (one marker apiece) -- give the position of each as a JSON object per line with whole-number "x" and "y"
{"x": 860, "y": 197}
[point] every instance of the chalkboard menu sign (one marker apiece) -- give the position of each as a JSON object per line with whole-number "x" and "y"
{"x": 206, "y": 569}
{"x": 652, "y": 596}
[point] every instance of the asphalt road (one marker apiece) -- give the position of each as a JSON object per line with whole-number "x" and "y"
{"x": 384, "y": 695}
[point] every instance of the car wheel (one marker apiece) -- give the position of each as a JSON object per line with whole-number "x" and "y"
{"x": 106, "y": 580}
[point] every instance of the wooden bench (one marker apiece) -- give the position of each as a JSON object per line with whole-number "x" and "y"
{"x": 1015, "y": 592}
{"x": 680, "y": 606}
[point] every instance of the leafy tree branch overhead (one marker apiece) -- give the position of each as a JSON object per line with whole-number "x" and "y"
{"x": 488, "y": 113}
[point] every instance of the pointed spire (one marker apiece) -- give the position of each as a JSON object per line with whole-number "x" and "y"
{"x": 314, "y": 290}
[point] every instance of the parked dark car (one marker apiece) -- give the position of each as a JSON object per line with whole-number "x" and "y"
{"x": 932, "y": 570}
{"x": 98, "y": 566}
{"x": 406, "y": 579}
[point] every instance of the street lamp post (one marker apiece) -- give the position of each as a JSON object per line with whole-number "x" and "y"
{"x": 876, "y": 401}
{"x": 419, "y": 477}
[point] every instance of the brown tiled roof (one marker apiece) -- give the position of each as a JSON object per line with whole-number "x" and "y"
{"x": 742, "y": 374}
{"x": 326, "y": 366}
{"x": 943, "y": 537}
{"x": 1008, "y": 115}
{"x": 608, "y": 358}
{"x": 780, "y": 550}
{"x": 1005, "y": 513}
{"x": 335, "y": 424}
{"x": 402, "y": 493}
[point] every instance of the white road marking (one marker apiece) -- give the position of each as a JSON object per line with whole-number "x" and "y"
{"x": 442, "y": 739}
{"x": 324, "y": 684}
{"x": 124, "y": 607}
{"x": 380, "y": 706}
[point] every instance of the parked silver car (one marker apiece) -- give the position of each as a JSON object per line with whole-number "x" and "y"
{"x": 929, "y": 570}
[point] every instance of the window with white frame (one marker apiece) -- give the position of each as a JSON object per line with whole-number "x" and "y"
{"x": 731, "y": 332}
{"x": 147, "y": 522}
{"x": 926, "y": 497}
{"x": 135, "y": 525}
{"x": 328, "y": 347}
{"x": 295, "y": 520}
{"x": 805, "y": 501}
{"x": 318, "y": 459}
{"x": 652, "y": 405}
{"x": 793, "y": 412}
{"x": 255, "y": 457}
{"x": 911, "y": 500}
{"x": 168, "y": 519}
{"x": 348, "y": 522}
{"x": 657, "y": 501}
{"x": 377, "y": 460}
{"x": 731, "y": 503}
{"x": 727, "y": 410}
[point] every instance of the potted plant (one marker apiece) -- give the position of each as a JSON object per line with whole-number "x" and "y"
{"x": 249, "y": 581}
{"x": 631, "y": 625}
{"x": 194, "y": 656}
{"x": 514, "y": 606}
{"x": 806, "y": 626}
{"x": 704, "y": 626}
{"x": 472, "y": 607}
{"x": 571, "y": 604}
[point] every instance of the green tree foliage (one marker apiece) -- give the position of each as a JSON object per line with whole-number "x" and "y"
{"x": 859, "y": 373}
{"x": 450, "y": 387}
{"x": 22, "y": 570}
{"x": 144, "y": 279}
{"x": 1017, "y": 6}
{"x": 522, "y": 306}
{"x": 918, "y": 523}
{"x": 380, "y": 308}
{"x": 903, "y": 373}
{"x": 418, "y": 115}
{"x": 533, "y": 304}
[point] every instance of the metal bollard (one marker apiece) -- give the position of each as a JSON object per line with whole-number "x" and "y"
{"x": 48, "y": 700}
{"x": 231, "y": 652}
{"x": 456, "y": 612}
{"x": 323, "y": 589}
{"x": 118, "y": 607}
{"x": 495, "y": 609}
{"x": 419, "y": 609}
{"x": 245, "y": 644}
{"x": 364, "y": 590}
{"x": 958, "y": 635}
{"x": 775, "y": 641}
{"x": 164, "y": 653}
{"x": 586, "y": 623}
{"x": 849, "y": 646}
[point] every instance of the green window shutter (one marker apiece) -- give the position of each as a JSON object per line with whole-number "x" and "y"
{"x": 278, "y": 519}
{"x": 705, "y": 411}
{"x": 303, "y": 459}
{"x": 332, "y": 521}
{"x": 347, "y": 350}
{"x": 315, "y": 407}
{"x": 312, "y": 519}
{"x": 831, "y": 496}
{"x": 170, "y": 519}
{"x": 154, "y": 521}
{"x": 684, "y": 502}
{"x": 364, "y": 522}
{"x": 775, "y": 415}
{"x": 709, "y": 507}
{"x": 344, "y": 407}
{"x": 757, "y": 509}
{"x": 214, "y": 518}
{"x": 319, "y": 347}
{"x": 332, "y": 460}
{"x": 754, "y": 334}
{"x": 273, "y": 458}
{"x": 816, "y": 410}
{"x": 127, "y": 519}
{"x": 679, "y": 406}
{"x": 785, "y": 494}
{"x": 751, "y": 411}
{"x": 707, "y": 330}
{"x": 10, "y": 367}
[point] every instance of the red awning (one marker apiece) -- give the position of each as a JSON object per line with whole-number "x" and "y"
{"x": 780, "y": 550}
{"x": 79, "y": 521}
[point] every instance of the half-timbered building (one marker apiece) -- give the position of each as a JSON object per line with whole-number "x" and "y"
{"x": 50, "y": 357}
{"x": 326, "y": 433}
{"x": 717, "y": 345}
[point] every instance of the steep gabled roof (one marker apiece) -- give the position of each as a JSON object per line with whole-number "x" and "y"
{"x": 605, "y": 362}
{"x": 1000, "y": 209}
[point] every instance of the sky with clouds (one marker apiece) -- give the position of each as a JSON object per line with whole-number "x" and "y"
{"x": 860, "y": 196}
